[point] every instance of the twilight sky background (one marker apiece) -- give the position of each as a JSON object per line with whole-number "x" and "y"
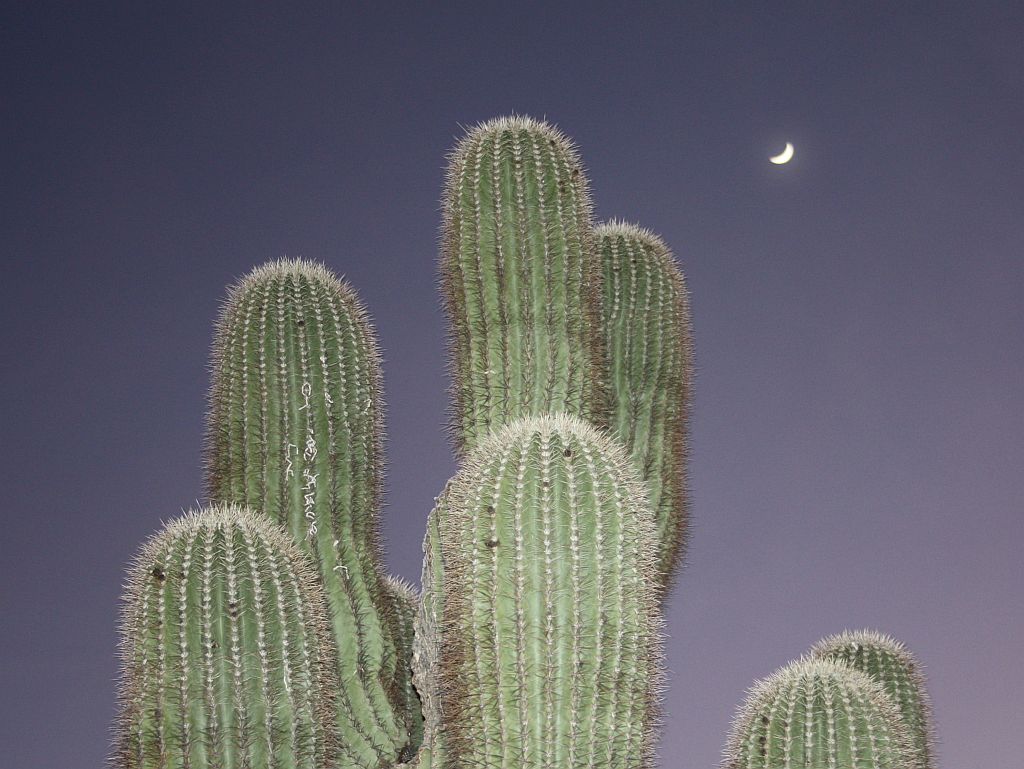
{"x": 858, "y": 434}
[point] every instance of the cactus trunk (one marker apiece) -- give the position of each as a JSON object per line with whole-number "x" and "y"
{"x": 296, "y": 430}
{"x": 646, "y": 318}
{"x": 521, "y": 280}
{"x": 227, "y": 659}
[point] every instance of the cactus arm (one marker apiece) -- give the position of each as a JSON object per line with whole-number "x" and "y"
{"x": 818, "y": 713}
{"x": 520, "y": 280}
{"x": 891, "y": 664}
{"x": 646, "y": 319}
{"x": 227, "y": 659}
{"x": 295, "y": 429}
{"x": 548, "y": 659}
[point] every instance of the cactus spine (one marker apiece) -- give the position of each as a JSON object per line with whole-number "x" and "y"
{"x": 551, "y": 626}
{"x": 227, "y": 658}
{"x": 295, "y": 429}
{"x": 890, "y": 663}
{"x": 646, "y": 318}
{"x": 520, "y": 280}
{"x": 820, "y": 714}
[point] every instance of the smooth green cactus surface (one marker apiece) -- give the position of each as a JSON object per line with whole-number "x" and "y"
{"x": 296, "y": 430}
{"x": 818, "y": 714}
{"x": 227, "y": 658}
{"x": 891, "y": 664}
{"x": 550, "y": 650}
{"x": 521, "y": 282}
{"x": 646, "y": 321}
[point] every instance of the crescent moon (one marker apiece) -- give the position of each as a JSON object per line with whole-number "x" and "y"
{"x": 783, "y": 157}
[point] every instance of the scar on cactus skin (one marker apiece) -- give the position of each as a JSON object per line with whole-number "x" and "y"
{"x": 226, "y": 654}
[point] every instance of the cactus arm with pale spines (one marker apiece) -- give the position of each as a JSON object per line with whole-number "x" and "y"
{"x": 646, "y": 323}
{"x": 551, "y": 632}
{"x": 226, "y": 652}
{"x": 890, "y": 663}
{"x": 821, "y": 714}
{"x": 521, "y": 283}
{"x": 295, "y": 429}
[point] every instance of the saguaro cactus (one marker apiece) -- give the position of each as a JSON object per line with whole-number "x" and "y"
{"x": 891, "y": 664}
{"x": 821, "y": 714}
{"x": 295, "y": 429}
{"x": 646, "y": 321}
{"x": 551, "y": 632}
{"x": 521, "y": 282}
{"x": 227, "y": 658}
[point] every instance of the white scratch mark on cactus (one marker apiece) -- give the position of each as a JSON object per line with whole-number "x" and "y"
{"x": 308, "y": 476}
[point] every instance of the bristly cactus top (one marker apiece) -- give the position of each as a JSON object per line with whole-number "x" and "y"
{"x": 227, "y": 658}
{"x": 550, "y": 644}
{"x": 818, "y": 714}
{"x": 891, "y": 664}
{"x": 295, "y": 429}
{"x": 521, "y": 282}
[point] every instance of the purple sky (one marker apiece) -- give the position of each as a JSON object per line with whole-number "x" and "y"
{"x": 858, "y": 314}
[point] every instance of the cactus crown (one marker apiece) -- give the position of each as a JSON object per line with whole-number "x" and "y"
{"x": 821, "y": 714}
{"x": 889, "y": 662}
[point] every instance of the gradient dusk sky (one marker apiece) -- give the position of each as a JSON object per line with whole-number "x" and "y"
{"x": 858, "y": 430}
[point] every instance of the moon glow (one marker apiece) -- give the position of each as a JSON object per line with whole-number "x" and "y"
{"x": 783, "y": 157}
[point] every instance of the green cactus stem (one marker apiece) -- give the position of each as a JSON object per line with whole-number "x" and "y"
{"x": 227, "y": 658}
{"x": 646, "y": 317}
{"x": 521, "y": 282}
{"x": 820, "y": 714}
{"x": 427, "y": 641}
{"x": 550, "y": 649}
{"x": 406, "y": 604}
{"x": 295, "y": 429}
{"x": 890, "y": 663}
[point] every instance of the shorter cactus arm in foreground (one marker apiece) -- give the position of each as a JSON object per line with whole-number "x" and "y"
{"x": 820, "y": 714}
{"x": 227, "y": 658}
{"x": 550, "y": 651}
{"x": 890, "y": 663}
